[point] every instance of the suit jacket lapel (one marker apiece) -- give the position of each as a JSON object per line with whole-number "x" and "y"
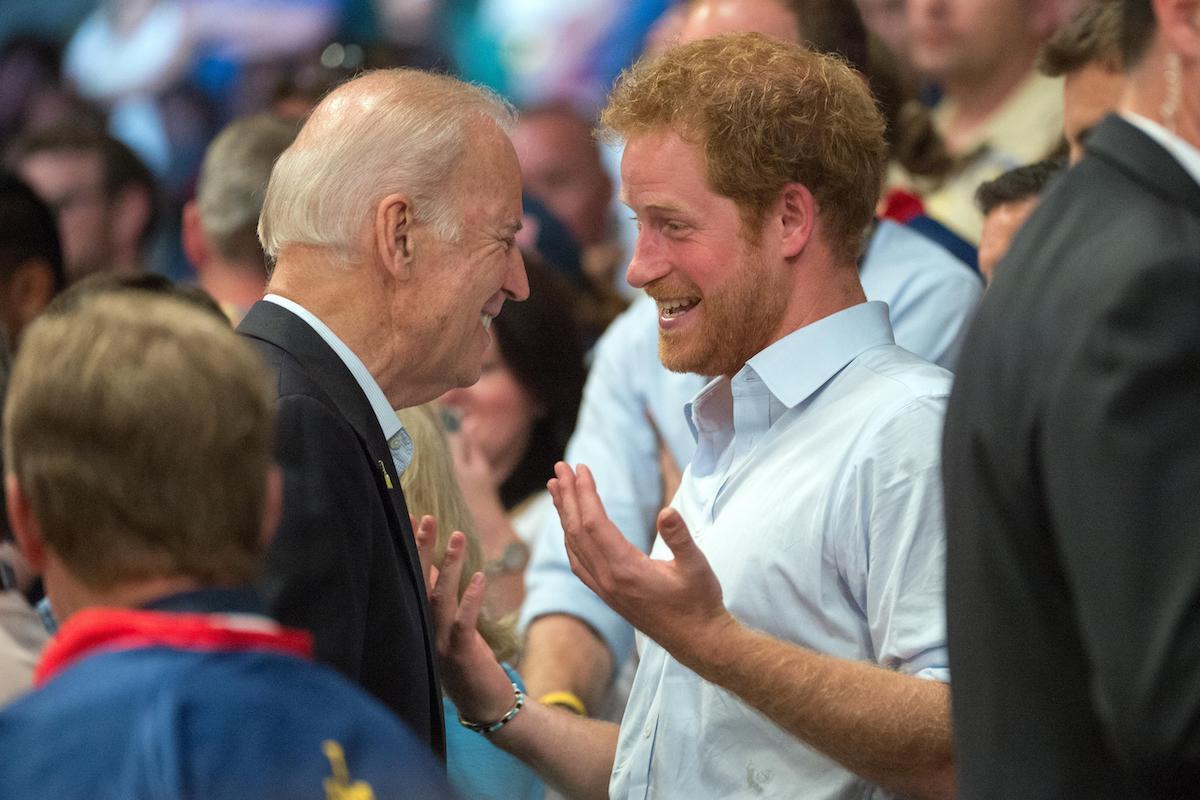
{"x": 275, "y": 324}
{"x": 1129, "y": 149}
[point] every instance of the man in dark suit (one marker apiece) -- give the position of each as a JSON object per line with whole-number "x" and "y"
{"x": 391, "y": 219}
{"x": 1072, "y": 463}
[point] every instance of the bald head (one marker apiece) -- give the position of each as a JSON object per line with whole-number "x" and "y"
{"x": 386, "y": 132}
{"x": 774, "y": 18}
{"x": 834, "y": 28}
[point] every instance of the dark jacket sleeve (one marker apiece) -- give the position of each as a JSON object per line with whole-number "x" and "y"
{"x": 318, "y": 569}
{"x": 1122, "y": 455}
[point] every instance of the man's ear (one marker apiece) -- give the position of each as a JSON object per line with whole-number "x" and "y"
{"x": 796, "y": 211}
{"x": 394, "y": 241}
{"x": 24, "y": 526}
{"x": 1046, "y": 16}
{"x": 31, "y": 289}
{"x": 195, "y": 243}
{"x": 131, "y": 215}
{"x": 1179, "y": 25}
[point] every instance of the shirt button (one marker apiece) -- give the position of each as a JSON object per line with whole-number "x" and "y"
{"x": 646, "y": 732}
{"x": 394, "y": 442}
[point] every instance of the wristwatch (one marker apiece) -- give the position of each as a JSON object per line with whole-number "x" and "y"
{"x": 511, "y": 561}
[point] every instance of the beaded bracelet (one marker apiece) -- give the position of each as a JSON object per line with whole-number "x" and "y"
{"x": 488, "y": 728}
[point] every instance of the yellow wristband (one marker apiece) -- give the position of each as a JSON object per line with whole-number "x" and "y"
{"x": 567, "y": 700}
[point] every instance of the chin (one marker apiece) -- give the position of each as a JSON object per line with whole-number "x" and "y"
{"x": 707, "y": 357}
{"x": 467, "y": 374}
{"x": 685, "y": 359}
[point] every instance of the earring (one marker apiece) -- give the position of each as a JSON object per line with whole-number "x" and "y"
{"x": 1172, "y": 76}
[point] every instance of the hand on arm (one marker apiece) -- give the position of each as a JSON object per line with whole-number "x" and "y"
{"x": 574, "y": 754}
{"x": 892, "y": 729}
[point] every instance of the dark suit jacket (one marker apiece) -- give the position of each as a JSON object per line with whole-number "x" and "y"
{"x": 1072, "y": 471}
{"x": 343, "y": 563}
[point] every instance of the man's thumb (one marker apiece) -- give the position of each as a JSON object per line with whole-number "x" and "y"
{"x": 674, "y": 532}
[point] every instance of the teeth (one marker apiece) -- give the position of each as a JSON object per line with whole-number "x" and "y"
{"x": 669, "y": 308}
{"x": 486, "y": 319}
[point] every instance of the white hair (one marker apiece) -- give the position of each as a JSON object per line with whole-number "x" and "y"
{"x": 405, "y": 138}
{"x": 229, "y": 190}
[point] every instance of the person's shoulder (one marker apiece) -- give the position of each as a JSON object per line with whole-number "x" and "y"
{"x": 299, "y": 725}
{"x": 897, "y": 376}
{"x": 915, "y": 256}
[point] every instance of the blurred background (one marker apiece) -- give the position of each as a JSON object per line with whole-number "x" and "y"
{"x": 165, "y": 76}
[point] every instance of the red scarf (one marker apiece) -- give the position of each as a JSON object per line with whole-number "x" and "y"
{"x": 94, "y": 629}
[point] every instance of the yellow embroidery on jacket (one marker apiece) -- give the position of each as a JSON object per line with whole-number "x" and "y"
{"x": 339, "y": 787}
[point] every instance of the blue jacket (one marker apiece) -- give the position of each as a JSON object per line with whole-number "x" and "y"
{"x": 232, "y": 714}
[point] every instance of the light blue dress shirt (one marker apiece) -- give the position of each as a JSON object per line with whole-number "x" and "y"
{"x": 931, "y": 298}
{"x": 398, "y": 440}
{"x": 815, "y": 494}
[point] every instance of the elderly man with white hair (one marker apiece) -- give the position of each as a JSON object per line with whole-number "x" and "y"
{"x": 391, "y": 220}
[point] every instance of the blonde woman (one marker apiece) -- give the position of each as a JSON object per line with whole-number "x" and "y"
{"x": 477, "y": 769}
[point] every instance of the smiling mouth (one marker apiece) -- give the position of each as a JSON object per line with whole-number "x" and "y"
{"x": 670, "y": 309}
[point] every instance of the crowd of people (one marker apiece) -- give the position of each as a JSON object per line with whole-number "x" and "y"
{"x": 355, "y": 443}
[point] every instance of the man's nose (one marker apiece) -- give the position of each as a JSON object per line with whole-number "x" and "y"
{"x": 647, "y": 263}
{"x": 516, "y": 283}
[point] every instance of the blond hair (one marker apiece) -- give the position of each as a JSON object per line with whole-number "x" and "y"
{"x": 141, "y": 431}
{"x": 766, "y": 113}
{"x": 430, "y": 487}
{"x": 405, "y": 134}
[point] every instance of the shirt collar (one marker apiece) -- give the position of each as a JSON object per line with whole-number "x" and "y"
{"x": 800, "y": 363}
{"x": 1182, "y": 151}
{"x": 803, "y": 361}
{"x": 397, "y": 438}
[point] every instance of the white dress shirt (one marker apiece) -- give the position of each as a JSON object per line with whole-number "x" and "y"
{"x": 815, "y": 493}
{"x": 398, "y": 441}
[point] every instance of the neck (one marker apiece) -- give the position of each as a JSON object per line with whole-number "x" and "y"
{"x": 1146, "y": 95}
{"x": 68, "y": 594}
{"x": 237, "y": 285}
{"x": 351, "y": 299}
{"x": 127, "y": 260}
{"x": 837, "y": 289}
{"x": 978, "y": 98}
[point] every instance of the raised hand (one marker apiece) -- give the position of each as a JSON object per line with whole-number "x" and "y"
{"x": 471, "y": 675}
{"x": 677, "y": 603}
{"x": 425, "y": 532}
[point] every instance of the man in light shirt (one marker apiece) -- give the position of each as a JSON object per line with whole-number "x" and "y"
{"x": 632, "y": 413}
{"x": 794, "y": 647}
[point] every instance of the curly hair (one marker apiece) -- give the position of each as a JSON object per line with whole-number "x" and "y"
{"x": 766, "y": 113}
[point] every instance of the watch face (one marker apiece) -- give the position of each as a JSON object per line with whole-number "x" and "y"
{"x": 513, "y": 559}
{"x": 516, "y": 556}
